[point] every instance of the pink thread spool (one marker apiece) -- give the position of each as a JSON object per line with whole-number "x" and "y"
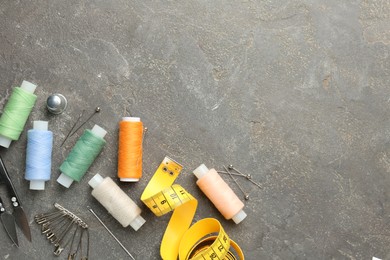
{"x": 220, "y": 194}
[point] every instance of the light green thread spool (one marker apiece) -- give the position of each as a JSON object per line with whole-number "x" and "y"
{"x": 82, "y": 156}
{"x": 16, "y": 113}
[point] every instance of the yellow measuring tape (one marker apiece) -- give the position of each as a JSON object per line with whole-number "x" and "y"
{"x": 162, "y": 196}
{"x": 199, "y": 243}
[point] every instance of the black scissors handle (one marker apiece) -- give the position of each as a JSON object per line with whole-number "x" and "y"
{"x": 5, "y": 179}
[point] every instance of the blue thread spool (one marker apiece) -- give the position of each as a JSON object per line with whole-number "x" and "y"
{"x": 38, "y": 157}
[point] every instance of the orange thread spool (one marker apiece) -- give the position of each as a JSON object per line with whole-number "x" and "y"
{"x": 130, "y": 149}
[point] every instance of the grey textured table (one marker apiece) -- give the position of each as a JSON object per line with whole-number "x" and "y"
{"x": 295, "y": 93}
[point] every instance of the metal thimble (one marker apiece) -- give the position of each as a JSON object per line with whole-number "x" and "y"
{"x": 56, "y": 103}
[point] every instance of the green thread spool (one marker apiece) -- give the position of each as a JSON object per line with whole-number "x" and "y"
{"x": 82, "y": 156}
{"x": 16, "y": 113}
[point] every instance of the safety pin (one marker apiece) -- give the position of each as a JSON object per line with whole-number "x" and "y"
{"x": 58, "y": 227}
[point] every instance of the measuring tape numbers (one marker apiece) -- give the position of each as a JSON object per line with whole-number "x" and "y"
{"x": 161, "y": 196}
{"x": 200, "y": 243}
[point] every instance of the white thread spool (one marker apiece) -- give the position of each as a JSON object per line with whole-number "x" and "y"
{"x": 115, "y": 200}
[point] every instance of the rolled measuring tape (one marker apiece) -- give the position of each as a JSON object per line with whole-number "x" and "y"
{"x": 162, "y": 196}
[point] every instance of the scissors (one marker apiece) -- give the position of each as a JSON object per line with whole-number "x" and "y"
{"x": 18, "y": 215}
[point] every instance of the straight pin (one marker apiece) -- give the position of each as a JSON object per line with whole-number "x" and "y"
{"x": 246, "y": 196}
{"x": 232, "y": 173}
{"x": 144, "y": 134}
{"x": 97, "y": 110}
{"x": 78, "y": 119}
{"x": 230, "y": 167}
{"x": 116, "y": 239}
{"x": 248, "y": 176}
{"x": 255, "y": 183}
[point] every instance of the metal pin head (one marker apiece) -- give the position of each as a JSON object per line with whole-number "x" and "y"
{"x": 97, "y": 109}
{"x": 56, "y": 103}
{"x": 230, "y": 167}
{"x": 246, "y": 197}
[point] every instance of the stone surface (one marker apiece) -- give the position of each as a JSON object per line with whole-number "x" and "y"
{"x": 293, "y": 92}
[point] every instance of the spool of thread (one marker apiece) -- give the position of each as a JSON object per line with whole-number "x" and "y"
{"x": 82, "y": 155}
{"x": 220, "y": 194}
{"x": 118, "y": 204}
{"x": 130, "y": 149}
{"x": 16, "y": 112}
{"x": 38, "y": 156}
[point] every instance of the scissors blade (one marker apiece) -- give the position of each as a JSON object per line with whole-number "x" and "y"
{"x": 21, "y": 220}
{"x": 18, "y": 212}
{"x": 9, "y": 225}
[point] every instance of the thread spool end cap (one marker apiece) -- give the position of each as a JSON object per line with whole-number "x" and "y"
{"x": 28, "y": 86}
{"x": 201, "y": 171}
{"x": 40, "y": 125}
{"x": 137, "y": 222}
{"x": 97, "y": 130}
{"x": 240, "y": 216}
{"x": 131, "y": 119}
{"x": 129, "y": 179}
{"x": 37, "y": 185}
{"x": 5, "y": 141}
{"x": 65, "y": 180}
{"x": 95, "y": 181}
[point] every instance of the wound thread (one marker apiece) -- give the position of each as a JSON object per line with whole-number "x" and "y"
{"x": 130, "y": 149}
{"x": 117, "y": 203}
{"x": 220, "y": 194}
{"x": 82, "y": 155}
{"x": 16, "y": 112}
{"x": 38, "y": 155}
